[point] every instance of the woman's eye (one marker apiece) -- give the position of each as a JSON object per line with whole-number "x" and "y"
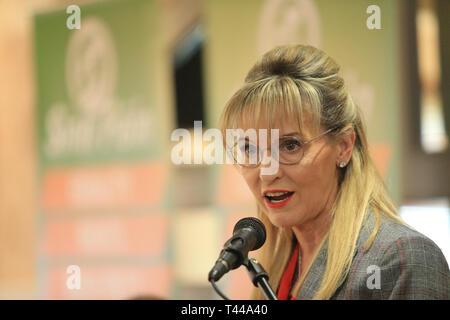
{"x": 290, "y": 145}
{"x": 248, "y": 148}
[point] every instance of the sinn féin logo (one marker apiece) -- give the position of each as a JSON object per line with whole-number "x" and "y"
{"x": 91, "y": 67}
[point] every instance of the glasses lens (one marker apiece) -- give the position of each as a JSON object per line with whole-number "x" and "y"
{"x": 291, "y": 150}
{"x": 245, "y": 153}
{"x": 248, "y": 154}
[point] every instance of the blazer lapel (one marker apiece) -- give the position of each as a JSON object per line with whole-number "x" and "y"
{"x": 314, "y": 277}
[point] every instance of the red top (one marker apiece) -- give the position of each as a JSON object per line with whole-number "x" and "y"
{"x": 288, "y": 275}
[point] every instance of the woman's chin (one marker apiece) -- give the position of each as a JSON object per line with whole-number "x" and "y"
{"x": 280, "y": 220}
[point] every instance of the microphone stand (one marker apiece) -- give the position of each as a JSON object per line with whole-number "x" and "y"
{"x": 259, "y": 277}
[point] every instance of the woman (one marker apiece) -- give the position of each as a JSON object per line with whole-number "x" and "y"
{"x": 332, "y": 228}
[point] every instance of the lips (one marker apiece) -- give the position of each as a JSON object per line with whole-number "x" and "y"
{"x": 277, "y": 198}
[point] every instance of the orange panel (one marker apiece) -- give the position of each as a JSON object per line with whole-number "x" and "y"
{"x": 239, "y": 285}
{"x": 104, "y": 186}
{"x": 107, "y": 236}
{"x": 381, "y": 153}
{"x": 232, "y": 188}
{"x": 111, "y": 282}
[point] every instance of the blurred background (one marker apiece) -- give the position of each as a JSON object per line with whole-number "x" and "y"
{"x": 91, "y": 205}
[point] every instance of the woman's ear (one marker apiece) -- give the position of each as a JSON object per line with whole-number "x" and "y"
{"x": 345, "y": 146}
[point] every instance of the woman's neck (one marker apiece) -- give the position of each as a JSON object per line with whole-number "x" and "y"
{"x": 311, "y": 233}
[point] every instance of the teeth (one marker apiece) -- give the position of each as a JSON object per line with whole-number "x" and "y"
{"x": 276, "y": 201}
{"x": 275, "y": 194}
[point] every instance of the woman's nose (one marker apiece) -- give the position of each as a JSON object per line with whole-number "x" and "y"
{"x": 269, "y": 169}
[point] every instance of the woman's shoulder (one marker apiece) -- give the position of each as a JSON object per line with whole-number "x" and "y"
{"x": 407, "y": 243}
{"x": 410, "y": 265}
{"x": 392, "y": 231}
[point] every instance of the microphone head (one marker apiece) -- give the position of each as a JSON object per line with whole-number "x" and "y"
{"x": 257, "y": 226}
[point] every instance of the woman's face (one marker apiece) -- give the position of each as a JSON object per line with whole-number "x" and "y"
{"x": 311, "y": 183}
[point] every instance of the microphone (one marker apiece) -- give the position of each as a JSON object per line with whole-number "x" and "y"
{"x": 248, "y": 234}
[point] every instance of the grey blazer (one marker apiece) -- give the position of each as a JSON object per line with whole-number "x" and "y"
{"x": 400, "y": 264}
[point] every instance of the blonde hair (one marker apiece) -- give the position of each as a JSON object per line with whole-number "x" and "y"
{"x": 289, "y": 80}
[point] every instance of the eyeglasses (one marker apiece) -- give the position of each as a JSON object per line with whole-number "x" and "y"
{"x": 290, "y": 150}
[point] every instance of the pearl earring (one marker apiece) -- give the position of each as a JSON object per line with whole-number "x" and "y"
{"x": 342, "y": 164}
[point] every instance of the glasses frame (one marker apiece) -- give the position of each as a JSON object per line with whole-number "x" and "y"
{"x": 252, "y": 166}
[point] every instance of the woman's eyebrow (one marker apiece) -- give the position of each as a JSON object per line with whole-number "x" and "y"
{"x": 291, "y": 134}
{"x": 246, "y": 138}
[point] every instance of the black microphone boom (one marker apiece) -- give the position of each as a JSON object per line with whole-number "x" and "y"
{"x": 248, "y": 234}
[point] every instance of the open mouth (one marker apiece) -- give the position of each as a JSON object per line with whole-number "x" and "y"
{"x": 278, "y": 197}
